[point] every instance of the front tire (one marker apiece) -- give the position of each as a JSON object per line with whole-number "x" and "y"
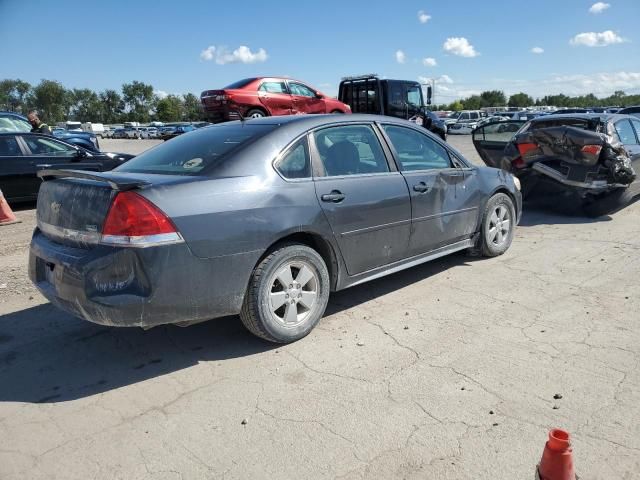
{"x": 287, "y": 294}
{"x": 498, "y": 225}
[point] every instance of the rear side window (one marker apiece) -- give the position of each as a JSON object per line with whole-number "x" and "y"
{"x": 273, "y": 87}
{"x": 625, "y": 132}
{"x": 9, "y": 147}
{"x": 417, "y": 151}
{"x": 350, "y": 150}
{"x": 193, "y": 152}
{"x": 295, "y": 162}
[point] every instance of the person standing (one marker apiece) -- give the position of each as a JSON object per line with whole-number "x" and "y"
{"x": 37, "y": 125}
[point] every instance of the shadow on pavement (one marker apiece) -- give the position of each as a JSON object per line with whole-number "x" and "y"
{"x": 48, "y": 356}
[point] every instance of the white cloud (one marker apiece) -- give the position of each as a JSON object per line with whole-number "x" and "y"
{"x": 594, "y": 39}
{"x": 537, "y": 50}
{"x": 400, "y": 56}
{"x": 160, "y": 94}
{"x": 243, "y": 54}
{"x": 599, "y": 7}
{"x": 603, "y": 83}
{"x": 429, "y": 62}
{"x": 423, "y": 17}
{"x": 459, "y": 46}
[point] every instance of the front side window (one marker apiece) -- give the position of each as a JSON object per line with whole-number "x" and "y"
{"x": 11, "y": 124}
{"x": 625, "y": 132}
{"x": 350, "y": 150}
{"x": 48, "y": 146}
{"x": 417, "y": 151}
{"x": 414, "y": 96}
{"x": 273, "y": 87}
{"x": 301, "y": 90}
{"x": 9, "y": 147}
{"x": 295, "y": 162}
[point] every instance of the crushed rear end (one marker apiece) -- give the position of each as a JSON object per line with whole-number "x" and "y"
{"x": 569, "y": 158}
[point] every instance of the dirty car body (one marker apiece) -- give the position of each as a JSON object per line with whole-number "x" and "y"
{"x": 585, "y": 155}
{"x": 228, "y": 195}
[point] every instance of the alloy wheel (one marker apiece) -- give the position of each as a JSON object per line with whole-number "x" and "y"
{"x": 499, "y": 225}
{"x": 293, "y": 293}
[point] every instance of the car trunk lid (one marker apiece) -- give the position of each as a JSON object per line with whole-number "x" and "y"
{"x": 73, "y": 205}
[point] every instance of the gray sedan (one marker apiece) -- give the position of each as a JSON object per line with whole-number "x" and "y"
{"x": 262, "y": 218}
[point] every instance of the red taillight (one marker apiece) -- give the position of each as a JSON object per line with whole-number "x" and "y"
{"x": 592, "y": 149}
{"x": 518, "y": 163}
{"x": 132, "y": 215}
{"x": 524, "y": 148}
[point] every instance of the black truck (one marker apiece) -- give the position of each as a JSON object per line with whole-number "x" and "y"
{"x": 395, "y": 98}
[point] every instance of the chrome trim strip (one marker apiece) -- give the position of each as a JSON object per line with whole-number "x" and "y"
{"x": 443, "y": 214}
{"x": 95, "y": 238}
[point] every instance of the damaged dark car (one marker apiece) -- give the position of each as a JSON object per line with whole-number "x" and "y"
{"x": 262, "y": 218}
{"x": 593, "y": 158}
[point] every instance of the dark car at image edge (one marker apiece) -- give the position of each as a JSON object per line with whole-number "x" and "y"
{"x": 262, "y": 218}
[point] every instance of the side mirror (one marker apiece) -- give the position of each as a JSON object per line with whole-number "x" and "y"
{"x": 319, "y": 95}
{"x": 429, "y": 94}
{"x": 81, "y": 153}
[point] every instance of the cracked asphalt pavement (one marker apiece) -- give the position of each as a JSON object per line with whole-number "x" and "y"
{"x": 444, "y": 371}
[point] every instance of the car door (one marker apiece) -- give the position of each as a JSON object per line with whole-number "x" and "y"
{"x": 629, "y": 134}
{"x": 17, "y": 172}
{"x": 491, "y": 139}
{"x": 305, "y": 100}
{"x": 365, "y": 199}
{"x": 274, "y": 95}
{"x": 47, "y": 152}
{"x": 444, "y": 203}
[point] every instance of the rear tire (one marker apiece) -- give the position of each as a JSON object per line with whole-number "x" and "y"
{"x": 255, "y": 113}
{"x": 498, "y": 225}
{"x": 287, "y": 294}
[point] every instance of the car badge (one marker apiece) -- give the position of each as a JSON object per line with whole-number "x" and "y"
{"x": 55, "y": 207}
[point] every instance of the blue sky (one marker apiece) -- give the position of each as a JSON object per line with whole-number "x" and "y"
{"x": 474, "y": 45}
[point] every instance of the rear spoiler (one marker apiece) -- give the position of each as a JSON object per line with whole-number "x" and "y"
{"x": 114, "y": 180}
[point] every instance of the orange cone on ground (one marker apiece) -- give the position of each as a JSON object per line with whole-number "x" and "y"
{"x": 557, "y": 458}
{"x": 6, "y": 215}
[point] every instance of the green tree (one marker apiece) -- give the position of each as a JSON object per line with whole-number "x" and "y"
{"x": 520, "y": 100}
{"x": 84, "y": 105}
{"x": 51, "y": 100}
{"x": 456, "y": 106}
{"x": 493, "y": 98}
{"x": 192, "y": 107}
{"x": 111, "y": 106}
{"x": 474, "y": 102}
{"x": 13, "y": 94}
{"x": 139, "y": 100}
{"x": 169, "y": 109}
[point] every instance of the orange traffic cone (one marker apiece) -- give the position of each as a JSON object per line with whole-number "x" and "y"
{"x": 6, "y": 215}
{"x": 557, "y": 458}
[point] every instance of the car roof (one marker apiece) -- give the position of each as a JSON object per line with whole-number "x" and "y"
{"x": 313, "y": 121}
{"x": 603, "y": 117}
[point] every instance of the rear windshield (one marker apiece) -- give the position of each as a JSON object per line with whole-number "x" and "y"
{"x": 239, "y": 84}
{"x": 594, "y": 125}
{"x": 195, "y": 152}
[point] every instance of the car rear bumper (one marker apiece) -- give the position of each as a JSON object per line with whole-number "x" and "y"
{"x": 222, "y": 113}
{"x": 140, "y": 287}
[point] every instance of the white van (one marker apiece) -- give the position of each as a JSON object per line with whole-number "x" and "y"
{"x": 97, "y": 128}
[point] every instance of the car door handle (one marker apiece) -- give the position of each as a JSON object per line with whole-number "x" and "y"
{"x": 335, "y": 196}
{"x": 421, "y": 187}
